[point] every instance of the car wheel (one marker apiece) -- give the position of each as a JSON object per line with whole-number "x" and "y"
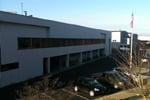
{"x": 91, "y": 93}
{"x": 75, "y": 88}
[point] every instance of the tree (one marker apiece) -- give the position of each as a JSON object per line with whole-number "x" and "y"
{"x": 134, "y": 73}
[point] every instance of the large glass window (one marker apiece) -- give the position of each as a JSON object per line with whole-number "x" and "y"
{"x": 57, "y": 63}
{"x": 86, "y": 56}
{"x": 24, "y": 43}
{"x": 74, "y": 59}
{"x": 95, "y": 54}
{"x": 27, "y": 43}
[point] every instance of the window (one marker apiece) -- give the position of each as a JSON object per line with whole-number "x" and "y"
{"x": 86, "y": 56}
{"x": 10, "y": 66}
{"x": 28, "y": 43}
{"x": 101, "y": 52}
{"x": 74, "y": 59}
{"x": 24, "y": 43}
{"x": 95, "y": 54}
{"x": 36, "y": 43}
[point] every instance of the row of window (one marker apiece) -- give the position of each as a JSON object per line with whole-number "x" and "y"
{"x": 59, "y": 62}
{"x": 31, "y": 43}
{"x": 74, "y": 58}
{"x": 9, "y": 66}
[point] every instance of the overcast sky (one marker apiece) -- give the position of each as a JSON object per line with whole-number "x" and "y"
{"x": 102, "y": 14}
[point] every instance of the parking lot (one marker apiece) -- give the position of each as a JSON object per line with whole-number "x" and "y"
{"x": 66, "y": 91}
{"x": 87, "y": 70}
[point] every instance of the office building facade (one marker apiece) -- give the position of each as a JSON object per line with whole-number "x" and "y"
{"x": 32, "y": 47}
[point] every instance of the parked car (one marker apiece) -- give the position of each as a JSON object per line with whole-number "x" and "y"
{"x": 114, "y": 78}
{"x": 131, "y": 77}
{"x": 122, "y": 70}
{"x": 110, "y": 87}
{"x": 89, "y": 85}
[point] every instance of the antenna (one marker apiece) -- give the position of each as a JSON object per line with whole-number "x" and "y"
{"x": 26, "y": 13}
{"x": 22, "y": 8}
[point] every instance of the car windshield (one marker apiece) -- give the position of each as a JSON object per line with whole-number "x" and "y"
{"x": 113, "y": 77}
{"x": 94, "y": 82}
{"x": 120, "y": 76}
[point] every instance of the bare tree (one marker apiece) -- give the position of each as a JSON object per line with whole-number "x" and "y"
{"x": 134, "y": 73}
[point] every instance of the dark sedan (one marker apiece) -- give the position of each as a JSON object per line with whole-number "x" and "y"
{"x": 114, "y": 78}
{"x": 89, "y": 85}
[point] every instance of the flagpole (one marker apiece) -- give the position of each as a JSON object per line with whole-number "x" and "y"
{"x": 131, "y": 43}
{"x": 131, "y": 49}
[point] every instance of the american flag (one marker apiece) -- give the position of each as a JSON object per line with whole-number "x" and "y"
{"x": 132, "y": 19}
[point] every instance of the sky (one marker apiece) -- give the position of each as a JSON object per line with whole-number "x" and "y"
{"x": 102, "y": 14}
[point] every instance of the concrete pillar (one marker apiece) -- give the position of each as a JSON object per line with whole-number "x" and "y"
{"x": 98, "y": 53}
{"x": 67, "y": 60}
{"x": 49, "y": 63}
{"x": 91, "y": 55}
{"x": 81, "y": 58}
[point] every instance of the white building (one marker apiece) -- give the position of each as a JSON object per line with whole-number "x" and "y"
{"x": 144, "y": 38}
{"x": 145, "y": 46}
{"x": 121, "y": 40}
{"x": 31, "y": 47}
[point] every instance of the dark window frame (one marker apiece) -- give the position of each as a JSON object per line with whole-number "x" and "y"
{"x": 33, "y": 43}
{"x": 9, "y": 66}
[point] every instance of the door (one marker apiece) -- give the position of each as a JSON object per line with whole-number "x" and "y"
{"x": 45, "y": 66}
